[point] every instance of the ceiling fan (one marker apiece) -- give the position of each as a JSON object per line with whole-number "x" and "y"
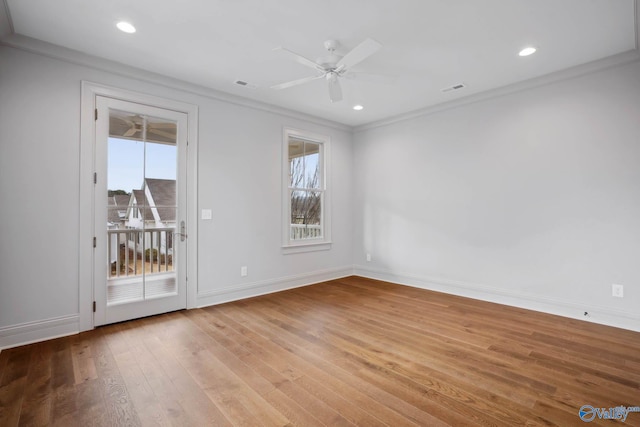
{"x": 332, "y": 66}
{"x": 132, "y": 126}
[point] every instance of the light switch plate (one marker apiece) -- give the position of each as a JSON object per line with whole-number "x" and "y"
{"x": 206, "y": 214}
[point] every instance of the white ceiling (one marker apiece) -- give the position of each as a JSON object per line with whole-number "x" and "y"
{"x": 427, "y": 44}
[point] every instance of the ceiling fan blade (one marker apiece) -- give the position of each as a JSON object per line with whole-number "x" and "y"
{"x": 130, "y": 132}
{"x": 163, "y": 125}
{"x": 335, "y": 91}
{"x": 296, "y": 82}
{"x": 160, "y": 132}
{"x": 358, "y": 54}
{"x": 300, "y": 59}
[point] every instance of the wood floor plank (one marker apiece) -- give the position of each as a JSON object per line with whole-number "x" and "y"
{"x": 13, "y": 384}
{"x": 221, "y": 385}
{"x": 386, "y": 406}
{"x": 296, "y": 414}
{"x": 416, "y": 355}
{"x": 157, "y": 388}
{"x": 250, "y": 394}
{"x": 117, "y": 399}
{"x": 90, "y": 406}
{"x": 146, "y": 404}
{"x": 374, "y": 370}
{"x": 4, "y": 357}
{"x": 347, "y": 352}
{"x": 84, "y": 367}
{"x": 180, "y": 387}
{"x": 37, "y": 403}
{"x": 267, "y": 356}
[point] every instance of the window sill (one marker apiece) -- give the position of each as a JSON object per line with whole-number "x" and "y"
{"x": 306, "y": 247}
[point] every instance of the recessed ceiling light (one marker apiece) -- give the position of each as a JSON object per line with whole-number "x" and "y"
{"x": 358, "y": 107}
{"x": 527, "y": 51}
{"x": 126, "y": 27}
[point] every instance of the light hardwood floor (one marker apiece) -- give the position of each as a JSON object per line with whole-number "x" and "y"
{"x": 346, "y": 352}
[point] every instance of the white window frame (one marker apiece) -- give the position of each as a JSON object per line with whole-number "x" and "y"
{"x": 306, "y": 245}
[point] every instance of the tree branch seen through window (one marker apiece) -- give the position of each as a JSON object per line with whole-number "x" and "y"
{"x": 305, "y": 204}
{"x": 305, "y": 188}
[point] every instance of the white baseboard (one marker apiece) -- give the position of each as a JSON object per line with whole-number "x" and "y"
{"x": 41, "y": 330}
{"x": 600, "y": 315}
{"x": 254, "y": 289}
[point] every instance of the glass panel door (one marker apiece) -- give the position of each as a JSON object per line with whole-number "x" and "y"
{"x": 141, "y": 191}
{"x": 144, "y": 222}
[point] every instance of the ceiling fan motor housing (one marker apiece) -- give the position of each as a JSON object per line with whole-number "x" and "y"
{"x": 331, "y": 76}
{"x": 330, "y": 61}
{"x": 331, "y": 45}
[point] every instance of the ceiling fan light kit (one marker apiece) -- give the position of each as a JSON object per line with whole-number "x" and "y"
{"x": 331, "y": 67}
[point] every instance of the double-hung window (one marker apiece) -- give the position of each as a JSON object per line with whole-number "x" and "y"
{"x": 306, "y": 222}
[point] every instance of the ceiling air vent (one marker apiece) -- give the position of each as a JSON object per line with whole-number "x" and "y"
{"x": 246, "y": 84}
{"x": 454, "y": 87}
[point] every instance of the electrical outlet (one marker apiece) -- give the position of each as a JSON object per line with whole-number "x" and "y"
{"x": 617, "y": 290}
{"x": 243, "y": 270}
{"x": 368, "y": 257}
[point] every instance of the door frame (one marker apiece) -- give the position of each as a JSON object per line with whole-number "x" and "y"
{"x": 86, "y": 225}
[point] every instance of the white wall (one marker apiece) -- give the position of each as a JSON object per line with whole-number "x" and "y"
{"x": 39, "y": 143}
{"x": 239, "y": 178}
{"x": 532, "y": 198}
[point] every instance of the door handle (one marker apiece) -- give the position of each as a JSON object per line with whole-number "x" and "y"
{"x": 183, "y": 231}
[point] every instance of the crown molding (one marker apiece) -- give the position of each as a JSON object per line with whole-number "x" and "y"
{"x": 547, "y": 79}
{"x": 50, "y": 50}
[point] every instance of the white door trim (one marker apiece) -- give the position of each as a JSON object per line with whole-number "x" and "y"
{"x": 89, "y": 92}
